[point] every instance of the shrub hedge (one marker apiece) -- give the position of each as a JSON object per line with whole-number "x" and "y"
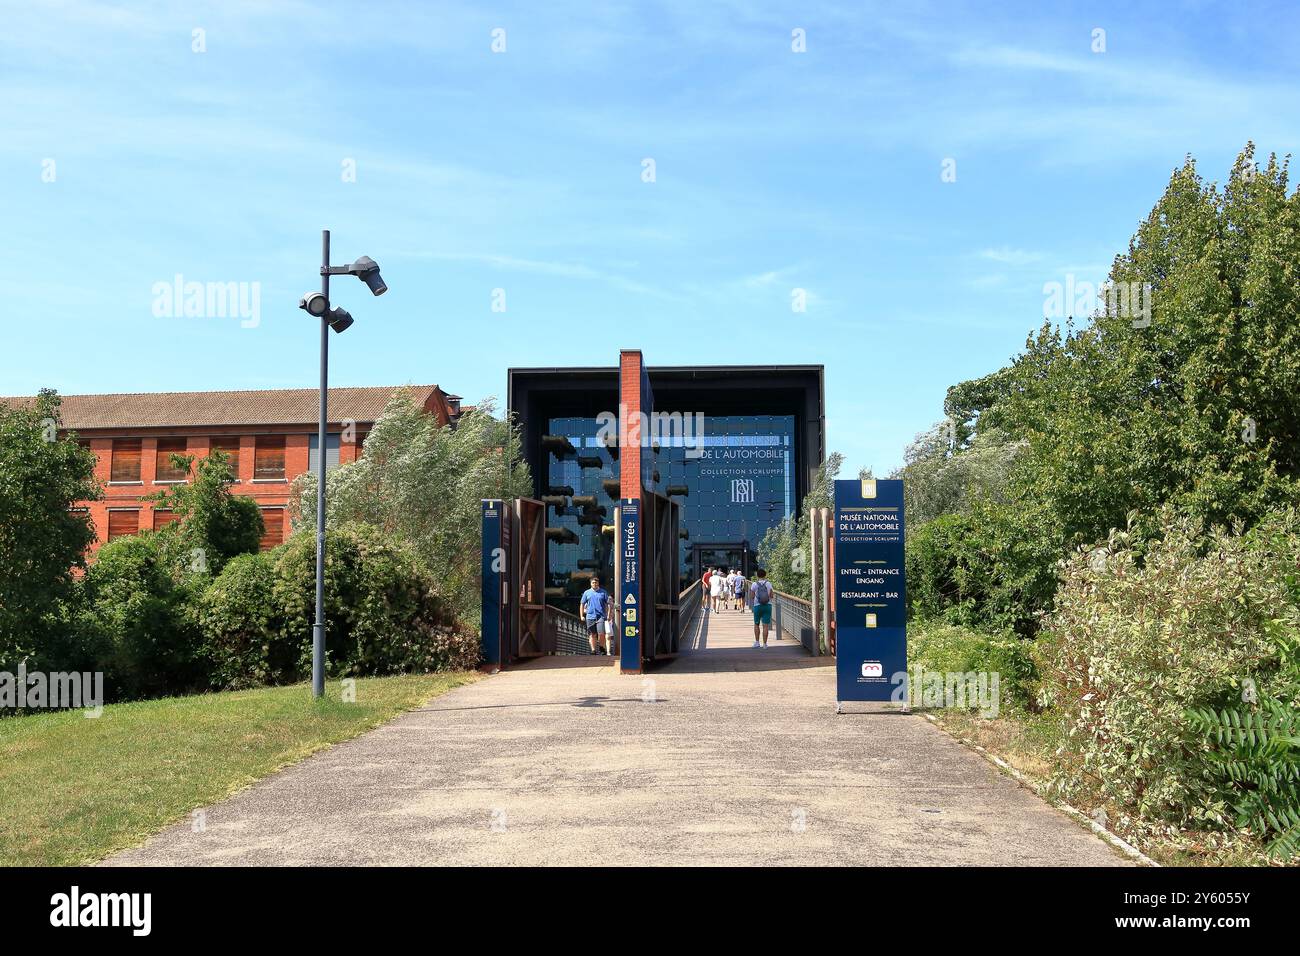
{"x": 156, "y": 622}
{"x": 384, "y": 613}
{"x": 950, "y": 648}
{"x": 1134, "y": 648}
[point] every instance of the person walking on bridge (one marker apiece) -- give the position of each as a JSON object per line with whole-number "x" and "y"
{"x": 738, "y": 587}
{"x": 597, "y": 608}
{"x": 760, "y": 597}
{"x": 717, "y": 581}
{"x": 704, "y": 587}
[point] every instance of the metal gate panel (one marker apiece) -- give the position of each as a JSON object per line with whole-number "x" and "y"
{"x": 531, "y": 636}
{"x": 664, "y": 584}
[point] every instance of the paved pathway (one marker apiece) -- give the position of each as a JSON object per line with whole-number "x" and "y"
{"x": 727, "y": 756}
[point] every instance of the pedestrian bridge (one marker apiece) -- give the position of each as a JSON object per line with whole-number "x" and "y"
{"x": 623, "y": 508}
{"x": 703, "y": 635}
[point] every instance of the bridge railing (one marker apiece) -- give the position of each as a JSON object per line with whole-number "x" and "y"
{"x": 688, "y": 609}
{"x": 794, "y": 616}
{"x": 566, "y": 632}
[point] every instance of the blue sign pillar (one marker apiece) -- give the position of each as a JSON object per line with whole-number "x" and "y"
{"x": 493, "y": 621}
{"x": 629, "y": 584}
{"x": 870, "y": 593}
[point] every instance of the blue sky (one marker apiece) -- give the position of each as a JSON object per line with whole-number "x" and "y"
{"x": 523, "y": 171}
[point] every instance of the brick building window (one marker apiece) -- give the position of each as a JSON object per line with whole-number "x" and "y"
{"x": 268, "y": 458}
{"x": 164, "y": 470}
{"x": 122, "y": 523}
{"x": 361, "y": 441}
{"x": 126, "y": 460}
{"x": 162, "y": 519}
{"x": 273, "y": 519}
{"x": 230, "y": 447}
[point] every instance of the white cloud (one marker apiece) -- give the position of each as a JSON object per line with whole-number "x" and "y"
{"x": 1011, "y": 257}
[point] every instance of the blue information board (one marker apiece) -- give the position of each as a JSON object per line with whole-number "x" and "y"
{"x": 870, "y": 593}
{"x": 494, "y": 623}
{"x": 629, "y": 586}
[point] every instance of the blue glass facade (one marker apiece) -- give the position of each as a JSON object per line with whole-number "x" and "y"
{"x": 740, "y": 476}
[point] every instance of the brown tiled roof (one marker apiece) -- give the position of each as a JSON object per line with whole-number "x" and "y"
{"x": 279, "y": 406}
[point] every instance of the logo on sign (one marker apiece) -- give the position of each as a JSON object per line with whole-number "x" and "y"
{"x": 742, "y": 491}
{"x": 872, "y": 669}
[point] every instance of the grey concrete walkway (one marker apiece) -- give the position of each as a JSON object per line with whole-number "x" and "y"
{"x": 729, "y": 755}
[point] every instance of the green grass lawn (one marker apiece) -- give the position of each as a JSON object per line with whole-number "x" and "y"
{"x": 73, "y": 790}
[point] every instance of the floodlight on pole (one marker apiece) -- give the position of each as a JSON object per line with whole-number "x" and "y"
{"x": 367, "y": 270}
{"x": 317, "y": 304}
{"x": 314, "y": 303}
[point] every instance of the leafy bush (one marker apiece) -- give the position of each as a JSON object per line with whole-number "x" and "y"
{"x": 294, "y": 589}
{"x": 384, "y": 615}
{"x": 947, "y": 648}
{"x": 243, "y": 633}
{"x": 1131, "y": 649}
{"x": 992, "y": 568}
{"x": 401, "y": 622}
{"x": 136, "y": 610}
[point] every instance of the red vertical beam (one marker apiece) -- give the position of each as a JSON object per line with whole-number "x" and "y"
{"x": 631, "y": 405}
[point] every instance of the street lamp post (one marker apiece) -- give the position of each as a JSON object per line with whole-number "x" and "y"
{"x": 318, "y": 305}
{"x": 318, "y": 623}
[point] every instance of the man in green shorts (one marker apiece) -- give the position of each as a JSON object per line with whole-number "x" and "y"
{"x": 760, "y": 599}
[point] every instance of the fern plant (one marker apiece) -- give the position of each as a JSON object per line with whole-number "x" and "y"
{"x": 1258, "y": 754}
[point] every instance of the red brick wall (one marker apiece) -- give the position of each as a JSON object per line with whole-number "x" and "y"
{"x": 629, "y": 391}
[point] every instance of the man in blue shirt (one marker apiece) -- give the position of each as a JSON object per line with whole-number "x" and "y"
{"x": 596, "y": 609}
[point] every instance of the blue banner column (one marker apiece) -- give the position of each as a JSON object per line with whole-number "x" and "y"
{"x": 870, "y": 591}
{"x": 493, "y": 570}
{"x": 629, "y": 585}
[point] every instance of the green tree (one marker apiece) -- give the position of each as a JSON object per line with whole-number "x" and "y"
{"x": 42, "y": 540}
{"x": 1179, "y": 390}
{"x": 1197, "y": 408}
{"x": 215, "y": 524}
{"x": 420, "y": 484}
{"x": 942, "y": 477}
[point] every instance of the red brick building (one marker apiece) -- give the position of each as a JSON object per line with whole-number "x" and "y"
{"x": 270, "y": 436}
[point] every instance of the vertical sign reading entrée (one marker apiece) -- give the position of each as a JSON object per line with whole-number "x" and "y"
{"x": 495, "y": 595}
{"x": 870, "y": 595}
{"x": 629, "y": 585}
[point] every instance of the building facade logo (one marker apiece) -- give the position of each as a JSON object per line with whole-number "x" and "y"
{"x": 742, "y": 491}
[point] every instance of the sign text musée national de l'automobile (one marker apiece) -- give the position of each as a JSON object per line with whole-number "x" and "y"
{"x": 870, "y": 591}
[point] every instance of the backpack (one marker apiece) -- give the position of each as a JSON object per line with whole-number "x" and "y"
{"x": 762, "y": 592}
